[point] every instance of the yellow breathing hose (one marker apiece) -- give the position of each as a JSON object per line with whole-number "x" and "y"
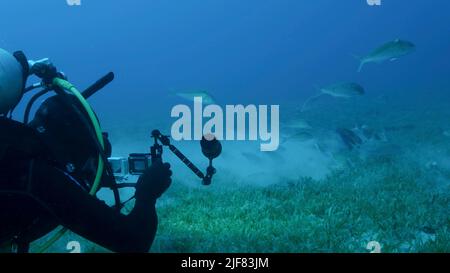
{"x": 101, "y": 165}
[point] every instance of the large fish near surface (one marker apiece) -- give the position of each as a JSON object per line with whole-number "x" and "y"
{"x": 390, "y": 51}
{"x": 190, "y": 95}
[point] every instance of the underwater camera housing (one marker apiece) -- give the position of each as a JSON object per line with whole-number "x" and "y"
{"x": 136, "y": 163}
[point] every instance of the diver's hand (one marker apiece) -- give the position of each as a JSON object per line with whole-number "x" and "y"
{"x": 154, "y": 182}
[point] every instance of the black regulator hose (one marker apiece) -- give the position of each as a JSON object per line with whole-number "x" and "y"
{"x": 26, "y": 116}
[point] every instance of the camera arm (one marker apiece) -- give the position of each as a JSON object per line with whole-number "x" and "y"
{"x": 156, "y": 156}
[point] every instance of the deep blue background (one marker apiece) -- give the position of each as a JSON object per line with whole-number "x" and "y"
{"x": 243, "y": 51}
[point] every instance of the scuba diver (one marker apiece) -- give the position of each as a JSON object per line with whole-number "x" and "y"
{"x": 47, "y": 167}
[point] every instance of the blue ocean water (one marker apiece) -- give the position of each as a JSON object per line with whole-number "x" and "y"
{"x": 248, "y": 52}
{"x": 244, "y": 51}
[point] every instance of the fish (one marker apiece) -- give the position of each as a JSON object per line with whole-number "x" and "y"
{"x": 389, "y": 51}
{"x": 298, "y": 124}
{"x": 349, "y": 138}
{"x": 301, "y": 136}
{"x": 190, "y": 95}
{"x": 337, "y": 90}
{"x": 343, "y": 90}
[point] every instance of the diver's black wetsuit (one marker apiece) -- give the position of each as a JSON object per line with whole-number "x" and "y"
{"x": 36, "y": 195}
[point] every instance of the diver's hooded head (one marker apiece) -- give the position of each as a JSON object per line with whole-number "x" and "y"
{"x": 70, "y": 142}
{"x": 11, "y": 81}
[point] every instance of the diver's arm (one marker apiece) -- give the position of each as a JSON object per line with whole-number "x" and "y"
{"x": 92, "y": 218}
